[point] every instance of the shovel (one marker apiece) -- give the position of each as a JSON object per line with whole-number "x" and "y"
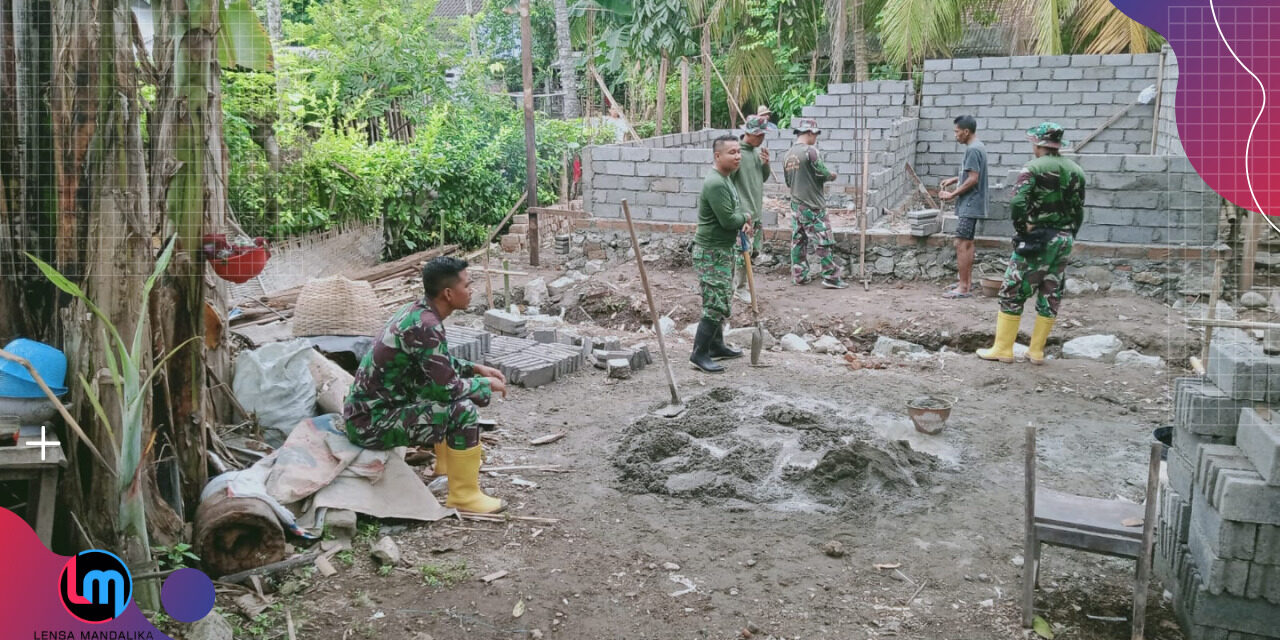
{"x": 676, "y": 406}
{"x": 757, "y": 336}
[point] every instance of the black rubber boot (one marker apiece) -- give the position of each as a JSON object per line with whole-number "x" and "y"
{"x": 701, "y": 357}
{"x": 719, "y": 350}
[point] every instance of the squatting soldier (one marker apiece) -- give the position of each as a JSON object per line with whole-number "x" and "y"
{"x": 811, "y": 237}
{"x": 720, "y": 217}
{"x": 749, "y": 179}
{"x": 410, "y": 391}
{"x": 1047, "y": 211}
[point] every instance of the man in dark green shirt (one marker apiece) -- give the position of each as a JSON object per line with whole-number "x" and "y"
{"x": 811, "y": 237}
{"x": 749, "y": 179}
{"x": 720, "y": 218}
{"x": 1047, "y": 211}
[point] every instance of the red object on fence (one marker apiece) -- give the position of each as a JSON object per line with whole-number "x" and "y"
{"x": 233, "y": 262}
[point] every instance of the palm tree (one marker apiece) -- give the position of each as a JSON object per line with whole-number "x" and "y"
{"x": 565, "y": 60}
{"x": 911, "y": 30}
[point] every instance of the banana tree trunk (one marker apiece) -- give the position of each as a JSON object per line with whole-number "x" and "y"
{"x": 190, "y": 194}
{"x": 273, "y": 20}
{"x": 565, "y": 60}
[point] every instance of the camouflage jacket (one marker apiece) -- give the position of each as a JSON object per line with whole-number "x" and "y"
{"x": 1049, "y": 193}
{"x": 410, "y": 364}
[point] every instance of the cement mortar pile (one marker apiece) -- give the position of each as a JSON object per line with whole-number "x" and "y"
{"x": 792, "y": 454}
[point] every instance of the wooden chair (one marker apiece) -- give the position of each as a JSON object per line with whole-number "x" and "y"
{"x": 1089, "y": 524}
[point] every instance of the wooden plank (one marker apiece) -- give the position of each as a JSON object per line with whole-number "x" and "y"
{"x": 496, "y": 575}
{"x": 1213, "y": 308}
{"x": 560, "y": 213}
{"x": 604, "y": 89}
{"x": 1155, "y": 120}
{"x": 1030, "y": 545}
{"x": 1088, "y": 541}
{"x": 1087, "y": 514}
{"x": 548, "y": 439}
{"x": 1148, "y": 539}
{"x": 47, "y": 498}
{"x": 1253, "y": 228}
{"x": 933, "y": 204}
{"x": 1110, "y": 121}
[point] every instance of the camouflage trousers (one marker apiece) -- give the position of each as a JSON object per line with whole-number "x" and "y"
{"x": 714, "y": 267}
{"x": 420, "y": 424}
{"x": 1040, "y": 275}
{"x": 811, "y": 240}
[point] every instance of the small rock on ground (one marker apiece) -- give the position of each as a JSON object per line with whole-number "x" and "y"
{"x": 1095, "y": 347}
{"x": 211, "y": 627}
{"x": 667, "y": 325}
{"x": 833, "y": 549}
{"x": 886, "y": 346}
{"x": 670, "y": 566}
{"x": 829, "y": 344}
{"x": 793, "y": 342}
{"x": 386, "y": 551}
{"x": 1253, "y": 300}
{"x": 1133, "y": 358}
{"x": 535, "y": 292}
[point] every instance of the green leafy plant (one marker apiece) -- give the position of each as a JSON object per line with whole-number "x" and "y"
{"x": 385, "y": 570}
{"x": 367, "y": 532}
{"x": 125, "y": 364}
{"x": 444, "y": 575}
{"x": 347, "y": 557}
{"x": 174, "y": 556}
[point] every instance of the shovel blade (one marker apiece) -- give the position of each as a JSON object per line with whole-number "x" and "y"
{"x": 757, "y": 343}
{"x": 670, "y": 410}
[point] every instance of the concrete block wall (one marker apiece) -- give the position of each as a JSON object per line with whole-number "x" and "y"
{"x": 1167, "y": 140}
{"x": 1010, "y": 95}
{"x": 659, "y": 177}
{"x": 892, "y": 118}
{"x": 1218, "y": 537}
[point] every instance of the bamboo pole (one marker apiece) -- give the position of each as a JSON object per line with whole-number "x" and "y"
{"x": 1213, "y": 308}
{"x": 727, "y": 91}
{"x": 684, "y": 95}
{"x": 609, "y": 96}
{"x": 1254, "y": 225}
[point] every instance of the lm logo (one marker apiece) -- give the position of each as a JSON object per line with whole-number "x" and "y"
{"x": 95, "y": 586}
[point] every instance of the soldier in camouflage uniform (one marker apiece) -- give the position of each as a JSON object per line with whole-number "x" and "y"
{"x": 720, "y": 217}
{"x": 410, "y": 391}
{"x": 749, "y": 179}
{"x": 1047, "y": 210}
{"x": 811, "y": 237}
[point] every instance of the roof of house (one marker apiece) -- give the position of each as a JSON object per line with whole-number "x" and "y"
{"x": 457, "y": 8}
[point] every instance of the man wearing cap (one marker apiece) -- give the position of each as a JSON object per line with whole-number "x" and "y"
{"x": 811, "y": 237}
{"x": 410, "y": 391}
{"x": 1047, "y": 211}
{"x": 721, "y": 216}
{"x": 752, "y": 173}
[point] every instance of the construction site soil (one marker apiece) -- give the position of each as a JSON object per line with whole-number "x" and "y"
{"x": 791, "y": 500}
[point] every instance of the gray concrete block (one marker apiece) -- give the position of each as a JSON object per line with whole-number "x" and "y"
{"x": 1051, "y": 86}
{"x": 1259, "y": 438}
{"x": 1225, "y": 539}
{"x": 1264, "y": 582}
{"x": 1224, "y": 611}
{"x": 1243, "y": 496}
{"x": 1133, "y": 235}
{"x": 1220, "y": 575}
{"x": 1200, "y": 407}
{"x": 1192, "y": 446}
{"x": 1243, "y": 371}
{"x": 1108, "y": 216}
{"x": 635, "y": 154}
{"x": 936, "y": 64}
{"x": 1182, "y": 473}
{"x": 1055, "y": 61}
{"x": 618, "y": 168}
{"x": 1267, "y": 545}
{"x": 981, "y": 75}
{"x": 967, "y": 64}
{"x": 1211, "y": 460}
{"x": 1118, "y": 60}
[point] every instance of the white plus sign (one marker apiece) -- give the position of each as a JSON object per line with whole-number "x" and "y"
{"x": 43, "y": 443}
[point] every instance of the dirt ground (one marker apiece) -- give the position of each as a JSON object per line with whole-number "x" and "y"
{"x": 730, "y": 544}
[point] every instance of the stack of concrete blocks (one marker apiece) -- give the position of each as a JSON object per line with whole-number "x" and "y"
{"x": 925, "y": 222}
{"x": 467, "y": 343}
{"x": 1218, "y": 542}
{"x": 529, "y": 363}
{"x": 505, "y": 323}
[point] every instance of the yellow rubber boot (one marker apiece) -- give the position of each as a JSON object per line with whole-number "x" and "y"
{"x": 464, "y": 483}
{"x": 1006, "y": 333}
{"x": 442, "y": 460}
{"x": 1039, "y": 336}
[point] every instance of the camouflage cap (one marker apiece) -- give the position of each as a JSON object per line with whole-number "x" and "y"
{"x": 756, "y": 124}
{"x": 1048, "y": 134}
{"x": 804, "y": 125}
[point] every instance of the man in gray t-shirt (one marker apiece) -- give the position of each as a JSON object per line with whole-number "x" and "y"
{"x": 971, "y": 200}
